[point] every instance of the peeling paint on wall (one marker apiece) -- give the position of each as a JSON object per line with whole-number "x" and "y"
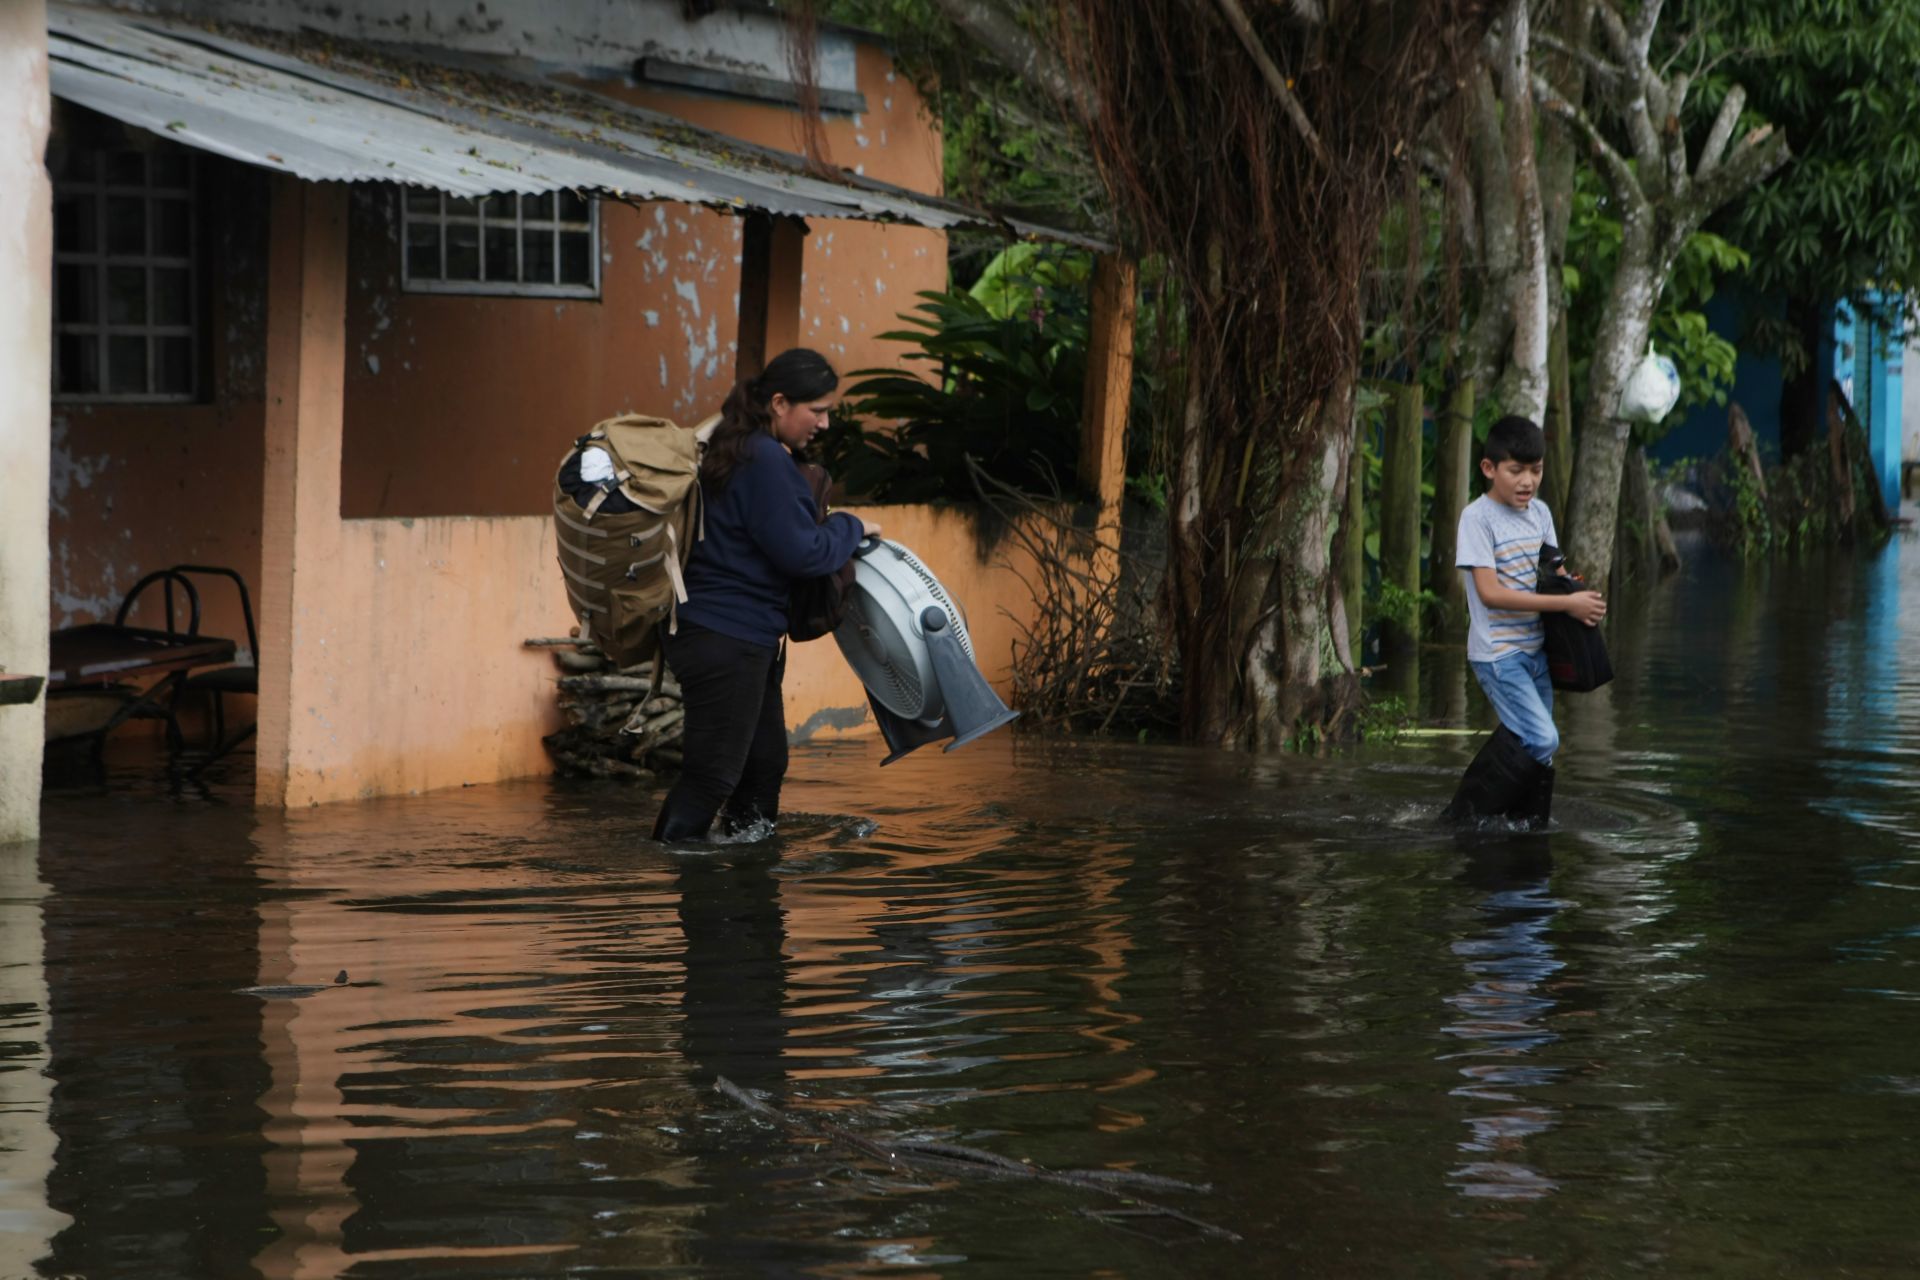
{"x": 838, "y": 719}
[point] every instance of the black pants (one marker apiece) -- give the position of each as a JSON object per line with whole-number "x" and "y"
{"x": 735, "y": 744}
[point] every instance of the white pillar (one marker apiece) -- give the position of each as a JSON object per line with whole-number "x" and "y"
{"x": 26, "y": 336}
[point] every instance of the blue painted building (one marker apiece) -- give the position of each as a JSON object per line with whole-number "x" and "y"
{"x": 1865, "y": 357}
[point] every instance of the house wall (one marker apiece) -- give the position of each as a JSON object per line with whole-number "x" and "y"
{"x": 1868, "y": 363}
{"x": 422, "y": 680}
{"x": 26, "y": 239}
{"x": 463, "y": 405}
{"x": 1702, "y": 431}
{"x": 141, "y": 487}
{"x": 1910, "y": 404}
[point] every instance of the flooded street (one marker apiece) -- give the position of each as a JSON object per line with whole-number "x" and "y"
{"x": 475, "y": 1033}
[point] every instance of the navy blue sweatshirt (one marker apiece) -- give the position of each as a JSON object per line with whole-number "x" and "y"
{"x": 763, "y": 534}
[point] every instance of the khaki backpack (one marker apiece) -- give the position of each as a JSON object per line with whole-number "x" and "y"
{"x": 623, "y": 570}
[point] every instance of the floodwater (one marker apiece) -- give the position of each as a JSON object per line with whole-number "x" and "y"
{"x": 474, "y": 1034}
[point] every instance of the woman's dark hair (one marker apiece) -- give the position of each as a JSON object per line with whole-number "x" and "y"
{"x": 799, "y": 375}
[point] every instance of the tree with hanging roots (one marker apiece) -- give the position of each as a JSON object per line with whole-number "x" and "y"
{"x": 1256, "y": 148}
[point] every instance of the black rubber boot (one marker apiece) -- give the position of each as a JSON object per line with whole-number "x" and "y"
{"x": 677, "y": 822}
{"x": 1497, "y": 783}
{"x": 1538, "y": 807}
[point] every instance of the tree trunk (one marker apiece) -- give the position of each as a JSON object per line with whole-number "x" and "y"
{"x": 1303, "y": 527}
{"x": 1523, "y": 388}
{"x": 1353, "y": 547}
{"x": 1602, "y": 446}
{"x": 1639, "y": 555}
{"x": 1558, "y": 480}
{"x": 1840, "y": 473}
{"x": 1400, "y": 525}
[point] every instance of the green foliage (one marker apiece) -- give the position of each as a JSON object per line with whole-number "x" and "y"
{"x": 1393, "y": 603}
{"x": 1005, "y": 389}
{"x": 1838, "y": 77}
{"x": 1383, "y": 718}
{"x": 1006, "y": 285}
{"x": 1751, "y": 532}
{"x": 1004, "y": 145}
{"x": 1150, "y": 488}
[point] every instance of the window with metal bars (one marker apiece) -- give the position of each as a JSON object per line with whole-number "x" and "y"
{"x": 126, "y": 298}
{"x": 543, "y": 245}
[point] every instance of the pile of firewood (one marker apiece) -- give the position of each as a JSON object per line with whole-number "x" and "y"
{"x": 618, "y": 724}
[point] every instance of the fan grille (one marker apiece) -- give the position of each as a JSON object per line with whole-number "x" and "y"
{"x": 879, "y": 639}
{"x": 939, "y": 594}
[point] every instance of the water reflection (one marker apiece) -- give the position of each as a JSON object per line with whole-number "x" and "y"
{"x": 28, "y": 1222}
{"x": 1503, "y": 1015}
{"x": 1671, "y": 1036}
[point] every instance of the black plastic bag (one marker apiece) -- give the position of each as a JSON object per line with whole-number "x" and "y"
{"x": 1577, "y": 659}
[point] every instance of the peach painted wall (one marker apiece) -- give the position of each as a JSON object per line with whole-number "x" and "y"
{"x": 822, "y": 696}
{"x": 426, "y": 683}
{"x": 507, "y": 383}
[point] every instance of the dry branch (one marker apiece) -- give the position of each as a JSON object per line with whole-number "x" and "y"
{"x": 948, "y": 1158}
{"x": 1094, "y": 654}
{"x": 619, "y": 723}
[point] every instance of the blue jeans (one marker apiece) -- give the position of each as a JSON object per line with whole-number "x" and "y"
{"x": 1522, "y": 695}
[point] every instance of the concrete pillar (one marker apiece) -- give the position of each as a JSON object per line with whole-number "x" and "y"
{"x": 772, "y": 265}
{"x": 26, "y": 380}
{"x": 300, "y": 537}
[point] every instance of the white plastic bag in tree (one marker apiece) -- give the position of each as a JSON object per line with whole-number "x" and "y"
{"x": 1653, "y": 388}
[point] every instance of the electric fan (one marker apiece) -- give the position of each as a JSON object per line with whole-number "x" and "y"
{"x": 906, "y": 639}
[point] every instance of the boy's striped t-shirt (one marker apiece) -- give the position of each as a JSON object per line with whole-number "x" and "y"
{"x": 1507, "y": 540}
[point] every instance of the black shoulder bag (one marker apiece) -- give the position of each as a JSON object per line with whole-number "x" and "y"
{"x": 1576, "y": 654}
{"x": 815, "y": 606}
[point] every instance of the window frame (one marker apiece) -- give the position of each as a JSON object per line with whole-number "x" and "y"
{"x": 102, "y": 259}
{"x": 498, "y": 288}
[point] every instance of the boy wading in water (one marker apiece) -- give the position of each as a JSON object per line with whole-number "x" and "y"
{"x": 1499, "y": 551}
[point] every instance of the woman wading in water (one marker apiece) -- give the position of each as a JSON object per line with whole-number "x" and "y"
{"x": 763, "y": 534}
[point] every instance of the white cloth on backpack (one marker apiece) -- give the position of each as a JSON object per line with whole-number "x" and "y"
{"x": 596, "y": 466}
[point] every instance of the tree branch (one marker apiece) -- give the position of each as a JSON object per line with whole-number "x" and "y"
{"x": 1676, "y": 134}
{"x": 1758, "y": 156}
{"x": 1585, "y": 57}
{"x": 1644, "y": 21}
{"x": 1010, "y": 44}
{"x": 1250, "y": 39}
{"x": 1615, "y": 28}
{"x": 1722, "y": 131}
{"x": 1618, "y": 171}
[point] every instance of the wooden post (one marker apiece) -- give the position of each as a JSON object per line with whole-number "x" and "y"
{"x": 1557, "y": 483}
{"x": 1353, "y": 567}
{"x": 772, "y": 266}
{"x": 1452, "y": 489}
{"x": 1400, "y": 527}
{"x": 300, "y": 521}
{"x": 1109, "y": 387}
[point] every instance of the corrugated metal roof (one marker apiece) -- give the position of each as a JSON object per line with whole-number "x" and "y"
{"x": 328, "y": 110}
